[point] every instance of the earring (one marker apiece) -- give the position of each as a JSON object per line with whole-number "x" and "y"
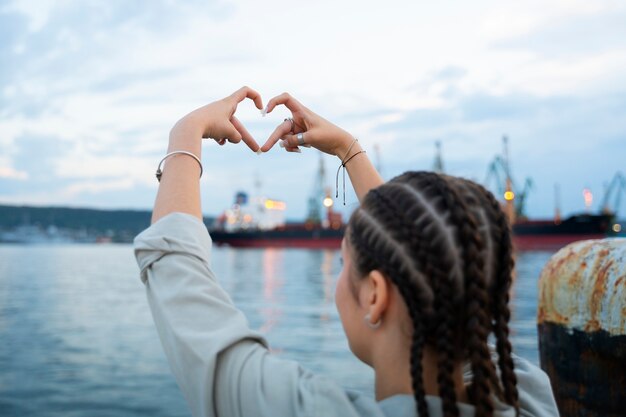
{"x": 368, "y": 321}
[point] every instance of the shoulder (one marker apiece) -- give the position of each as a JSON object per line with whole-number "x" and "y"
{"x": 534, "y": 388}
{"x": 258, "y": 382}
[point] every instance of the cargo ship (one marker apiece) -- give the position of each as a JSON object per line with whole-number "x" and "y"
{"x": 527, "y": 234}
{"x": 259, "y": 222}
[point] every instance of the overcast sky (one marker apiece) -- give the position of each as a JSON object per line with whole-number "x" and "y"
{"x": 89, "y": 91}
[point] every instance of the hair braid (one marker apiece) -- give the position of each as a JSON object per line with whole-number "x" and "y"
{"x": 445, "y": 244}
{"x": 417, "y": 349}
{"x": 501, "y": 295}
{"x": 417, "y": 310}
{"x": 443, "y": 307}
{"x": 477, "y": 321}
{"x": 500, "y": 285}
{"x": 490, "y": 232}
{"x": 438, "y": 270}
{"x": 445, "y": 347}
{"x": 395, "y": 271}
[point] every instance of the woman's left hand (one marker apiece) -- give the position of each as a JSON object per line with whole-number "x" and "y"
{"x": 217, "y": 120}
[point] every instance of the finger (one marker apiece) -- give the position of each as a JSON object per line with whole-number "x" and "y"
{"x": 285, "y": 145}
{"x": 245, "y": 135}
{"x": 280, "y": 131}
{"x": 230, "y": 134}
{"x": 291, "y": 141}
{"x": 247, "y": 92}
{"x": 295, "y": 150}
{"x": 286, "y": 99}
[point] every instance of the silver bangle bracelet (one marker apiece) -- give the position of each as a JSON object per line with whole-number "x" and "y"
{"x": 159, "y": 172}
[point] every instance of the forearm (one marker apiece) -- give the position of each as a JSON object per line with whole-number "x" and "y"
{"x": 179, "y": 189}
{"x": 363, "y": 175}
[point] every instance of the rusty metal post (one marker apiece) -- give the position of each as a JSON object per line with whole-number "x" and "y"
{"x": 581, "y": 321}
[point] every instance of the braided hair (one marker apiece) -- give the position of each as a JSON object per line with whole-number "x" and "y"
{"x": 445, "y": 243}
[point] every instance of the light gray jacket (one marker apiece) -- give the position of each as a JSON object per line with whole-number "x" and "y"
{"x": 225, "y": 369}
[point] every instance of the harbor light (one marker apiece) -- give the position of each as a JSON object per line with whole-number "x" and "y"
{"x": 588, "y": 196}
{"x": 275, "y": 205}
{"x": 328, "y": 202}
{"x": 617, "y": 227}
{"x": 509, "y": 195}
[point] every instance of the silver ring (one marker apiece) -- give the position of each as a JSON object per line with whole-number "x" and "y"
{"x": 292, "y": 122}
{"x": 300, "y": 137}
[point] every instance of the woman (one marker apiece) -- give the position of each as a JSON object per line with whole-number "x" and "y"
{"x": 425, "y": 281}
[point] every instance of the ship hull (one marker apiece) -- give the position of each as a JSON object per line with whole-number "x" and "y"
{"x": 527, "y": 235}
{"x": 549, "y": 242}
{"x": 283, "y": 238}
{"x": 549, "y": 235}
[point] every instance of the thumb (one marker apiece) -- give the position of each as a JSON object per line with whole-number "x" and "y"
{"x": 233, "y": 134}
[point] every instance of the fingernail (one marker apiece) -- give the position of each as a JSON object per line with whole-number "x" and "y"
{"x": 259, "y": 152}
{"x": 297, "y": 150}
{"x": 264, "y": 112}
{"x": 282, "y": 144}
{"x": 306, "y": 145}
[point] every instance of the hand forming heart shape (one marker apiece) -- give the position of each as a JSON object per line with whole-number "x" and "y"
{"x": 217, "y": 121}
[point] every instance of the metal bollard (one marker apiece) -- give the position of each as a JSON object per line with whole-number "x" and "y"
{"x": 581, "y": 322}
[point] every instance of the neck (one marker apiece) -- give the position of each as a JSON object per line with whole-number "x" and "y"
{"x": 393, "y": 376}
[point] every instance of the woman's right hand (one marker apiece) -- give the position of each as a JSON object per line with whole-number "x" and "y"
{"x": 318, "y": 132}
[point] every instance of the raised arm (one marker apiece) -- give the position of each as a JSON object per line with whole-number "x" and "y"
{"x": 222, "y": 366}
{"x": 325, "y": 136}
{"x": 179, "y": 189}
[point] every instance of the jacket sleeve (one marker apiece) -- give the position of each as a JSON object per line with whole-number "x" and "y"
{"x": 535, "y": 391}
{"x": 222, "y": 367}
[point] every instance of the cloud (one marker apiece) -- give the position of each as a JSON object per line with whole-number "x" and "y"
{"x": 13, "y": 174}
{"x": 90, "y": 90}
{"x": 575, "y": 35}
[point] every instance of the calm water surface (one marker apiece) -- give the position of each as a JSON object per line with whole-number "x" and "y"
{"x": 77, "y": 338}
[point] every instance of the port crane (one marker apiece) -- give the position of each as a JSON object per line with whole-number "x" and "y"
{"x": 438, "y": 164}
{"x": 499, "y": 170}
{"x": 319, "y": 193}
{"x": 617, "y": 185}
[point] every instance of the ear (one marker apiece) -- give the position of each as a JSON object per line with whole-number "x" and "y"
{"x": 378, "y": 297}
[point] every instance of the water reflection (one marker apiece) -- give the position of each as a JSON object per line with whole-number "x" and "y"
{"x": 78, "y": 338}
{"x": 272, "y": 283}
{"x": 328, "y": 279}
{"x": 77, "y": 335}
{"x": 524, "y": 304}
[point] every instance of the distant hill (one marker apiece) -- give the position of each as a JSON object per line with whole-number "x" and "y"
{"x": 119, "y": 225}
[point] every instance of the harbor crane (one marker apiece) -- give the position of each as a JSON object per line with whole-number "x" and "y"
{"x": 438, "y": 164}
{"x": 616, "y": 187}
{"x": 515, "y": 197}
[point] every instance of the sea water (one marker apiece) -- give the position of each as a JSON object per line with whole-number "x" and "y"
{"x": 77, "y": 337}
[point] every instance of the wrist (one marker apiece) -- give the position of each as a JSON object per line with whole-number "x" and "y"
{"x": 348, "y": 145}
{"x": 185, "y": 133}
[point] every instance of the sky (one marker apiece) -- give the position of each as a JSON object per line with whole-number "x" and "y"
{"x": 90, "y": 89}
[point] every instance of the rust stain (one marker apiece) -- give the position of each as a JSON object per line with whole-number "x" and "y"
{"x": 582, "y": 309}
{"x": 599, "y": 287}
{"x": 592, "y": 325}
{"x": 579, "y": 282}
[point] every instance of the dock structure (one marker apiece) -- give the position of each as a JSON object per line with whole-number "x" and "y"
{"x": 581, "y": 322}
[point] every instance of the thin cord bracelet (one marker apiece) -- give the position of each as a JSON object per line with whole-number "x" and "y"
{"x": 343, "y": 165}
{"x": 159, "y": 172}
{"x": 349, "y": 149}
{"x": 344, "y": 173}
